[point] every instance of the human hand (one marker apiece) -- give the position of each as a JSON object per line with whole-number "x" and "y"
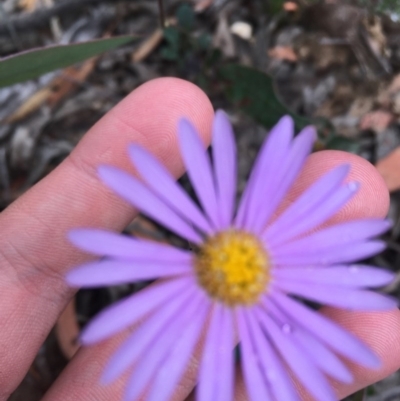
{"x": 35, "y": 253}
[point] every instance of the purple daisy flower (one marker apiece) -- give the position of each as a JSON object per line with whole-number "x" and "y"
{"x": 240, "y": 278}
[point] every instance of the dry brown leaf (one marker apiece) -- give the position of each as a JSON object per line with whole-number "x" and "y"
{"x": 30, "y": 105}
{"x": 283, "y": 53}
{"x": 57, "y": 90}
{"x": 201, "y": 5}
{"x": 389, "y": 168}
{"x": 223, "y": 39}
{"x": 361, "y": 106}
{"x": 148, "y": 46}
{"x": 67, "y": 331}
{"x": 395, "y": 84}
{"x": 385, "y": 97}
{"x": 69, "y": 80}
{"x": 376, "y": 37}
{"x": 377, "y": 120}
{"x": 29, "y": 5}
{"x": 290, "y": 6}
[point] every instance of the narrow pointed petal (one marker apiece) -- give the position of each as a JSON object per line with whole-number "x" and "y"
{"x": 130, "y": 310}
{"x": 107, "y": 243}
{"x": 306, "y": 202}
{"x": 208, "y": 372}
{"x": 323, "y": 358}
{"x": 285, "y": 177}
{"x": 137, "y": 345}
{"x": 217, "y": 358}
{"x": 114, "y": 272}
{"x": 355, "y": 276}
{"x": 199, "y": 170}
{"x": 280, "y": 384}
{"x": 137, "y": 194}
{"x": 171, "y": 371}
{"x": 226, "y": 362}
{"x": 337, "y": 235}
{"x": 299, "y": 363}
{"x": 243, "y": 206}
{"x": 339, "y": 297}
{"x": 326, "y": 331}
{"x": 320, "y": 355}
{"x": 335, "y": 255}
{"x": 263, "y": 177}
{"x": 147, "y": 367}
{"x": 256, "y": 386}
{"x": 225, "y": 166}
{"x": 160, "y": 180}
{"x": 320, "y": 214}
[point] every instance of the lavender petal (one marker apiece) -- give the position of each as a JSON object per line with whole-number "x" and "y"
{"x": 337, "y": 254}
{"x": 208, "y": 372}
{"x": 286, "y": 175}
{"x": 174, "y": 366}
{"x": 198, "y": 168}
{"x": 226, "y": 363}
{"x": 315, "y": 217}
{"x": 320, "y": 355}
{"x": 159, "y": 179}
{"x": 323, "y": 358}
{"x": 328, "y": 332}
{"x": 280, "y": 384}
{"x": 256, "y": 386}
{"x": 138, "y": 343}
{"x": 317, "y": 193}
{"x": 114, "y": 272}
{"x": 353, "y": 276}
{"x": 263, "y": 176}
{"x": 225, "y": 168}
{"x": 146, "y": 368}
{"x": 339, "y": 297}
{"x": 299, "y": 363}
{"x": 336, "y": 235}
{"x": 217, "y": 358}
{"x": 130, "y": 310}
{"x": 107, "y": 243}
{"x": 136, "y": 193}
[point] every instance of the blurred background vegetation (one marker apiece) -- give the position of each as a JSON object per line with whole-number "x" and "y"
{"x": 65, "y": 63}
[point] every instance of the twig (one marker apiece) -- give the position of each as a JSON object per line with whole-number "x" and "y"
{"x": 41, "y": 17}
{"x": 161, "y": 13}
{"x": 9, "y": 27}
{"x": 54, "y": 22}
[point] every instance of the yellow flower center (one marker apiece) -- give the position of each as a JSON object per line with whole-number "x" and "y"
{"x": 233, "y": 267}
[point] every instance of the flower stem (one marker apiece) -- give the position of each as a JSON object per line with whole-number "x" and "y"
{"x": 162, "y": 14}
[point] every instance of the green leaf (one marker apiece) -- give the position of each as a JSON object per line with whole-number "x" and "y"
{"x": 33, "y": 63}
{"x": 204, "y": 41}
{"x": 186, "y": 17}
{"x": 172, "y": 37}
{"x": 276, "y": 6}
{"x": 253, "y": 92}
{"x": 358, "y": 396}
{"x": 169, "y": 54}
{"x": 339, "y": 142}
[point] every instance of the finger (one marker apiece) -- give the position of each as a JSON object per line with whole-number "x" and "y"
{"x": 365, "y": 204}
{"x": 34, "y": 250}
